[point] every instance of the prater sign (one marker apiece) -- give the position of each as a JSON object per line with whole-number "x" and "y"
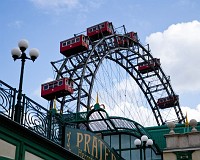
{"x": 88, "y": 145}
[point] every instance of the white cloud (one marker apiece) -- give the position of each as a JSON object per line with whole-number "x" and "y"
{"x": 192, "y": 113}
{"x": 55, "y": 3}
{"x": 141, "y": 115}
{"x": 140, "y": 112}
{"x": 127, "y": 85}
{"x": 186, "y": 3}
{"x": 178, "y": 48}
{"x": 56, "y": 6}
{"x": 16, "y": 24}
{"x": 59, "y": 6}
{"x": 144, "y": 115}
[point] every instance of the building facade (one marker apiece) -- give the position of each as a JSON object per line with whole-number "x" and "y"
{"x": 47, "y": 135}
{"x": 20, "y": 143}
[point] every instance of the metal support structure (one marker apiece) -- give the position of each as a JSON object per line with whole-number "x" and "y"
{"x": 19, "y": 106}
{"x": 82, "y": 69}
{"x": 19, "y": 53}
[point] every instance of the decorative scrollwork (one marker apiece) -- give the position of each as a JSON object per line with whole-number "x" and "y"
{"x": 7, "y": 97}
{"x": 35, "y": 117}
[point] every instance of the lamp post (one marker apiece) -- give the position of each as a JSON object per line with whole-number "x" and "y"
{"x": 19, "y": 53}
{"x": 142, "y": 144}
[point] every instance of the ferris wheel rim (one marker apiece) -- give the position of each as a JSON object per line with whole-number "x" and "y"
{"x": 91, "y": 52}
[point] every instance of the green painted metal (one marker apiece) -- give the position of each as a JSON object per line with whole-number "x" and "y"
{"x": 118, "y": 126}
{"x": 185, "y": 155}
{"x": 80, "y": 117}
{"x": 26, "y": 140}
{"x": 4, "y": 158}
{"x": 5, "y": 136}
{"x": 88, "y": 145}
{"x": 158, "y": 133}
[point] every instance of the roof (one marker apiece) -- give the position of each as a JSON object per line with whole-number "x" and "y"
{"x": 100, "y": 122}
{"x": 158, "y": 133}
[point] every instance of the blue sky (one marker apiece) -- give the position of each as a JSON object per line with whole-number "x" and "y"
{"x": 171, "y": 27}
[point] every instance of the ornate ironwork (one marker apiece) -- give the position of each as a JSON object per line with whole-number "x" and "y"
{"x": 7, "y": 99}
{"x": 34, "y": 117}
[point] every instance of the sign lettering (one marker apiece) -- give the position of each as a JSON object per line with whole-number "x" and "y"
{"x": 88, "y": 146}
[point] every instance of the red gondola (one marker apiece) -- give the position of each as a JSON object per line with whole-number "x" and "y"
{"x": 167, "y": 102}
{"x": 146, "y": 67}
{"x": 98, "y": 31}
{"x": 74, "y": 45}
{"x": 57, "y": 88}
{"x": 125, "y": 42}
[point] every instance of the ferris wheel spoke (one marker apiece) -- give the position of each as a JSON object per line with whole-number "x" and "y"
{"x": 127, "y": 78}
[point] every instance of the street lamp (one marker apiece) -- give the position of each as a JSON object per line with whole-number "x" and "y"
{"x": 142, "y": 144}
{"x": 19, "y": 53}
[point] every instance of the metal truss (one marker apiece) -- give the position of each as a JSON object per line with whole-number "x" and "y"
{"x": 83, "y": 67}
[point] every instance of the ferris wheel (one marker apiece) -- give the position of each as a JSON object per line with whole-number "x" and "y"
{"x": 113, "y": 63}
